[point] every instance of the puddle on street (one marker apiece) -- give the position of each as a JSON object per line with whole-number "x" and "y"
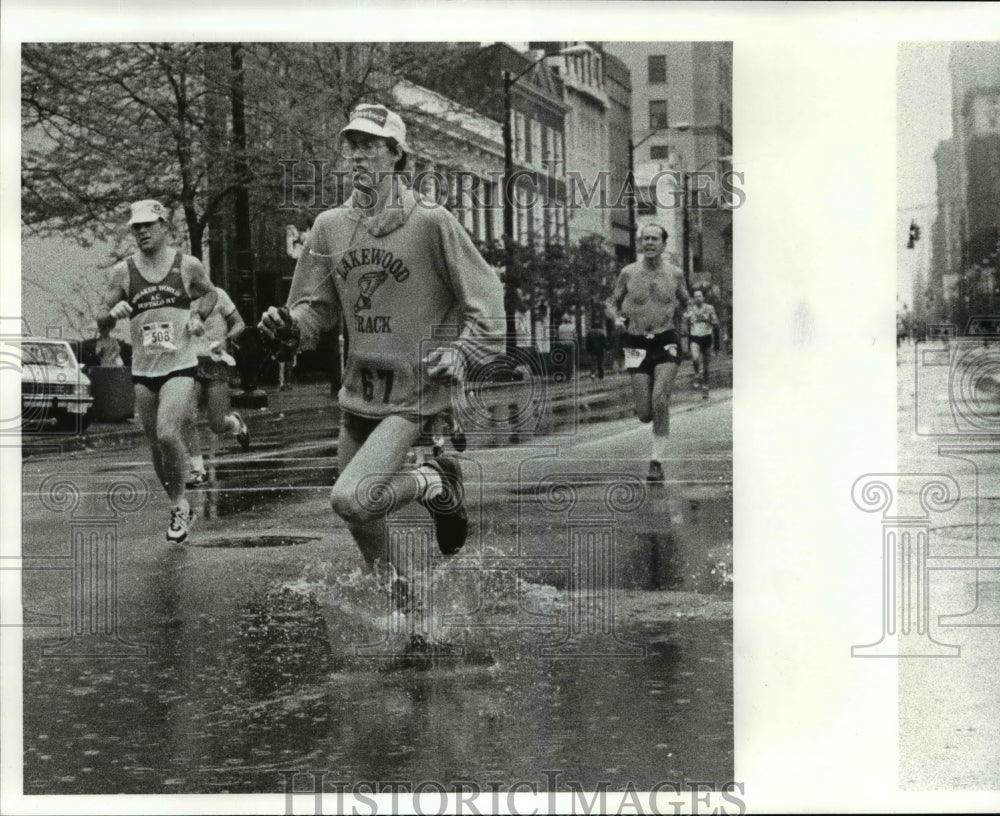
{"x": 498, "y": 674}
{"x": 313, "y": 677}
{"x": 682, "y": 544}
{"x": 241, "y": 485}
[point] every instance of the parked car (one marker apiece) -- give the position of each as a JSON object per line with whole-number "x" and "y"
{"x": 54, "y": 388}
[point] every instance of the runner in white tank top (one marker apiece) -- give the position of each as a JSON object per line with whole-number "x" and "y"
{"x": 215, "y": 366}
{"x": 154, "y": 289}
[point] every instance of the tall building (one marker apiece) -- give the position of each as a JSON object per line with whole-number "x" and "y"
{"x": 587, "y": 147}
{"x": 618, "y": 84}
{"x": 598, "y": 92}
{"x": 975, "y": 76}
{"x": 538, "y": 132}
{"x": 682, "y": 123}
{"x": 946, "y": 232}
{"x": 965, "y": 264}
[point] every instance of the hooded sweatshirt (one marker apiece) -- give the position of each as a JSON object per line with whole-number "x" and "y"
{"x": 405, "y": 283}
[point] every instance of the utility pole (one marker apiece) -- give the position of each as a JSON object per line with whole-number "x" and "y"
{"x": 631, "y": 200}
{"x": 251, "y": 347}
{"x": 686, "y": 231}
{"x": 508, "y": 212}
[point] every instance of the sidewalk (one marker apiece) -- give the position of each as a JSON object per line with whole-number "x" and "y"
{"x": 592, "y": 399}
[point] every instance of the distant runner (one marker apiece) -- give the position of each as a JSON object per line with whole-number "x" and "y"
{"x": 215, "y": 363}
{"x": 647, "y": 296}
{"x": 702, "y": 323}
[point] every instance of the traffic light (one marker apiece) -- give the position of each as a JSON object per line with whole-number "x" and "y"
{"x": 914, "y": 235}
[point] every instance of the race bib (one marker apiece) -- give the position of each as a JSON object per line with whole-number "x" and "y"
{"x": 158, "y": 336}
{"x": 634, "y": 357}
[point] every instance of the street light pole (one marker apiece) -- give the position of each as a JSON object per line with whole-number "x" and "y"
{"x": 508, "y": 211}
{"x": 631, "y": 200}
{"x": 686, "y": 230}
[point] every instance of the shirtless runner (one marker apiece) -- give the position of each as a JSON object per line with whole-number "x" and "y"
{"x": 646, "y": 299}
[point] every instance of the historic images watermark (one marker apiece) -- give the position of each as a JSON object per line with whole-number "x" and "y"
{"x": 310, "y": 184}
{"x": 467, "y": 796}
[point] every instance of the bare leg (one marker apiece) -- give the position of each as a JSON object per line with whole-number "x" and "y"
{"x": 371, "y": 485}
{"x": 217, "y": 401}
{"x": 146, "y": 404}
{"x": 192, "y": 442}
{"x": 663, "y": 382}
{"x": 175, "y": 405}
{"x": 696, "y": 359}
{"x": 642, "y": 387}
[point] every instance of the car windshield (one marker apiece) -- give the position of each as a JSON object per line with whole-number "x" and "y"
{"x": 46, "y": 354}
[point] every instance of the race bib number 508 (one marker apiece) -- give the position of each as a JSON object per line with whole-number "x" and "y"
{"x": 158, "y": 336}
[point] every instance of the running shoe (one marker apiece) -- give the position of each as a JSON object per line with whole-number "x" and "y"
{"x": 180, "y": 523}
{"x": 451, "y": 522}
{"x": 196, "y": 478}
{"x": 243, "y": 434}
{"x": 655, "y": 475}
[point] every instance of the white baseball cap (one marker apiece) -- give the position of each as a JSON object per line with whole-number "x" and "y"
{"x": 378, "y": 120}
{"x": 147, "y": 210}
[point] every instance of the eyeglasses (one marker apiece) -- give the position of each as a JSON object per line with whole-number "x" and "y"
{"x": 368, "y": 148}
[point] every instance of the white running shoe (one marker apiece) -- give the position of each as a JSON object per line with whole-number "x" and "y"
{"x": 180, "y": 523}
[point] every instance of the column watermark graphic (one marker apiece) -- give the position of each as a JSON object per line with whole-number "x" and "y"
{"x": 91, "y": 564}
{"x": 906, "y": 528}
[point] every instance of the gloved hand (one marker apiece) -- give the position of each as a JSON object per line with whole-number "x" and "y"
{"x": 279, "y": 327}
{"x": 443, "y": 365}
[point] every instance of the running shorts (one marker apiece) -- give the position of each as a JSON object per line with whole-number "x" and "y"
{"x": 643, "y": 354}
{"x": 154, "y": 384}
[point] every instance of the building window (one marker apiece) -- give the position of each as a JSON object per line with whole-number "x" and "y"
{"x": 489, "y": 212}
{"x": 521, "y": 216}
{"x": 659, "y": 152}
{"x": 518, "y": 135}
{"x": 657, "y": 68}
{"x": 560, "y": 223}
{"x": 657, "y": 113}
{"x": 535, "y": 129}
{"x": 557, "y": 151}
{"x": 537, "y": 230}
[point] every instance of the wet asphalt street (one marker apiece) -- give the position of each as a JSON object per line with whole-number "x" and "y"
{"x": 949, "y": 428}
{"x": 586, "y": 626}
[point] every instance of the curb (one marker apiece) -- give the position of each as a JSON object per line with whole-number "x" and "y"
{"x": 594, "y": 400}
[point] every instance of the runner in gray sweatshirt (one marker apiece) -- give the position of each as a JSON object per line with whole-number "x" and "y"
{"x": 417, "y": 302}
